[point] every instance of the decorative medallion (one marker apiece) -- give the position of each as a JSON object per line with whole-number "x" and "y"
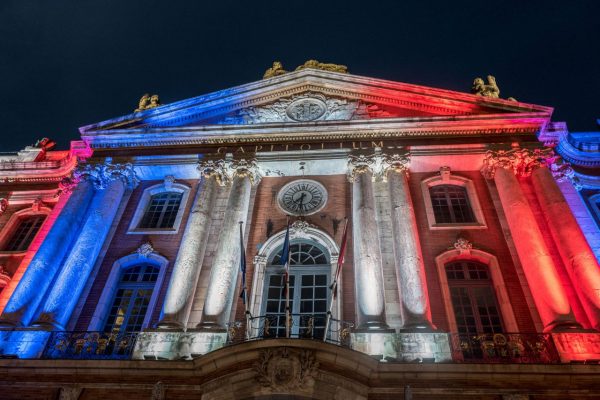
{"x": 303, "y": 110}
{"x": 302, "y": 197}
{"x": 284, "y": 369}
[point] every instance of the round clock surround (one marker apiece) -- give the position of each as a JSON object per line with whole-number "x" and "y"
{"x": 302, "y": 197}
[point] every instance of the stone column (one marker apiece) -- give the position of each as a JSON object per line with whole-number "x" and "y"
{"x": 226, "y": 263}
{"x": 368, "y": 274}
{"x": 110, "y": 182}
{"x": 545, "y": 284}
{"x": 40, "y": 272}
{"x": 184, "y": 279}
{"x": 574, "y": 249}
{"x": 410, "y": 269}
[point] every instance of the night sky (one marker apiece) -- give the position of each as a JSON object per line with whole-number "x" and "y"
{"x": 65, "y": 64}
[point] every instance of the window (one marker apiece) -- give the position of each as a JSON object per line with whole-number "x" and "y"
{"x": 161, "y": 211}
{"x": 22, "y": 236}
{"x": 473, "y": 298}
{"x": 132, "y": 298}
{"x": 308, "y": 292}
{"x": 450, "y": 204}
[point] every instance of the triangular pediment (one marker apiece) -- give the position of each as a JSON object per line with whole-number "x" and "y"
{"x": 315, "y": 96}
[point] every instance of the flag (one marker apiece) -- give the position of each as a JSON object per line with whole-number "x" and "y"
{"x": 340, "y": 261}
{"x": 285, "y": 255}
{"x": 242, "y": 265}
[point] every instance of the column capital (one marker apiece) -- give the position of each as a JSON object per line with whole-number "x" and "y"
{"x": 102, "y": 174}
{"x": 522, "y": 162}
{"x": 379, "y": 164}
{"x": 213, "y": 169}
{"x": 225, "y": 171}
{"x": 243, "y": 168}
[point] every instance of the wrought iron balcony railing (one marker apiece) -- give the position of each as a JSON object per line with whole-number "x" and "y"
{"x": 504, "y": 348}
{"x": 301, "y": 326}
{"x": 90, "y": 345}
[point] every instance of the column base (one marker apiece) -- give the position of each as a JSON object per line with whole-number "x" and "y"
{"x": 24, "y": 343}
{"x": 422, "y": 327}
{"x": 374, "y": 326}
{"x": 176, "y": 345}
{"x": 210, "y": 327}
{"x": 403, "y": 347}
{"x": 570, "y": 326}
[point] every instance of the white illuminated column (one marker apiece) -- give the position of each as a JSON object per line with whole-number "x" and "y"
{"x": 368, "y": 274}
{"x": 40, "y": 272}
{"x": 226, "y": 263}
{"x": 184, "y": 279}
{"x": 410, "y": 269}
{"x": 545, "y": 284}
{"x": 574, "y": 248}
{"x": 110, "y": 182}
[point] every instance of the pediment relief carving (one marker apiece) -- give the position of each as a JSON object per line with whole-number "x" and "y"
{"x": 307, "y": 107}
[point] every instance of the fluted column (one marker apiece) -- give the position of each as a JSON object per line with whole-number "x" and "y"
{"x": 545, "y": 284}
{"x": 184, "y": 279}
{"x": 40, "y": 272}
{"x": 574, "y": 249}
{"x": 226, "y": 263}
{"x": 410, "y": 269}
{"x": 368, "y": 274}
{"x": 110, "y": 182}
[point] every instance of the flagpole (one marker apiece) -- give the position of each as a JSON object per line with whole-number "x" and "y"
{"x": 333, "y": 286}
{"x": 244, "y": 289}
{"x": 287, "y": 287}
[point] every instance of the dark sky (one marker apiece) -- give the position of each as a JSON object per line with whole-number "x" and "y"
{"x": 65, "y": 64}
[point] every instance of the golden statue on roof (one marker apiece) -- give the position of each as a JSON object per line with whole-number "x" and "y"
{"x": 481, "y": 89}
{"x": 323, "y": 66}
{"x": 275, "y": 70}
{"x": 148, "y": 101}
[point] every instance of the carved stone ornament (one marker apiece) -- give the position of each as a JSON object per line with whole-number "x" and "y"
{"x": 305, "y": 107}
{"x": 314, "y": 64}
{"x": 145, "y": 250}
{"x": 158, "y": 391}
{"x": 243, "y": 168}
{"x": 463, "y": 246}
{"x": 378, "y": 164}
{"x": 299, "y": 228}
{"x": 275, "y": 70}
{"x": 66, "y": 185}
{"x": 3, "y": 205}
{"x": 213, "y": 168}
{"x": 285, "y": 369}
{"x": 102, "y": 174}
{"x": 37, "y": 204}
{"x": 521, "y": 161}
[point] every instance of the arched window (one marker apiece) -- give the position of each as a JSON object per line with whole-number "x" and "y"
{"x": 473, "y": 299}
{"x": 310, "y": 271}
{"x": 131, "y": 298}
{"x": 26, "y": 229}
{"x": 161, "y": 211}
{"x": 451, "y": 204}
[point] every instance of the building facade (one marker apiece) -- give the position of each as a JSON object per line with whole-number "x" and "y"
{"x": 313, "y": 235}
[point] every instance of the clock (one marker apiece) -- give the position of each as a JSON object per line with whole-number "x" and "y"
{"x": 302, "y": 197}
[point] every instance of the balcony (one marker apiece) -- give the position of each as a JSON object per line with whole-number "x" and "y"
{"x": 385, "y": 346}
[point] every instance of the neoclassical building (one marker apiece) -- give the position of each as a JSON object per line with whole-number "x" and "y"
{"x": 311, "y": 235}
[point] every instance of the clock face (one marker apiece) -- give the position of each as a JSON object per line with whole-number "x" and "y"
{"x": 302, "y": 197}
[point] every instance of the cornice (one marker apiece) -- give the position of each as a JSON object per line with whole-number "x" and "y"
{"x": 331, "y": 131}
